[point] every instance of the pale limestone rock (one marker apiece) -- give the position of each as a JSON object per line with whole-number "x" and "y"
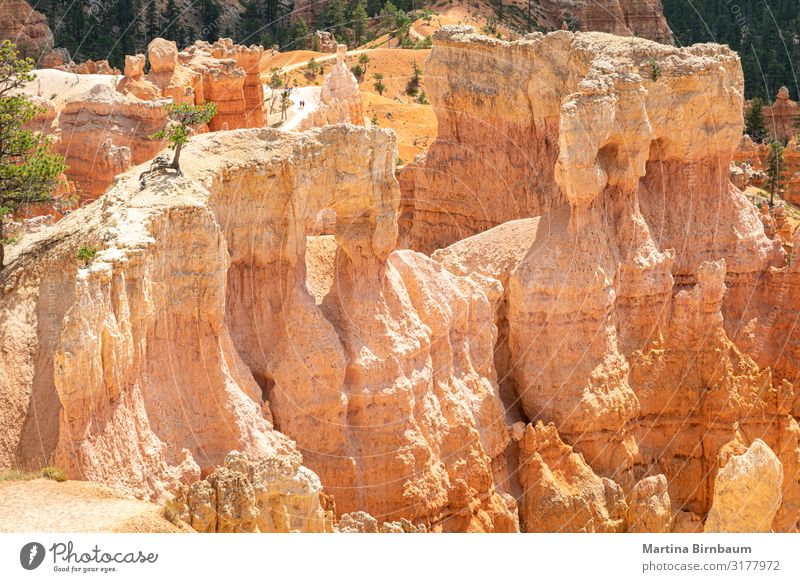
{"x": 747, "y": 492}
{"x": 588, "y": 105}
{"x": 649, "y": 508}
{"x": 630, "y": 307}
{"x": 134, "y": 66}
{"x": 163, "y": 55}
{"x": 93, "y": 126}
{"x": 340, "y": 98}
{"x": 273, "y": 494}
{"x": 357, "y": 522}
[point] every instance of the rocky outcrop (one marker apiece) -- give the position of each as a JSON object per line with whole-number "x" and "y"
{"x": 644, "y": 18}
{"x": 174, "y": 80}
{"x": 649, "y": 509}
{"x": 648, "y": 334}
{"x": 397, "y": 414}
{"x": 26, "y": 28}
{"x": 747, "y": 492}
{"x": 102, "y": 133}
{"x": 754, "y": 156}
{"x": 781, "y": 117}
{"x": 274, "y": 494}
{"x": 223, "y": 82}
{"x": 340, "y": 99}
{"x": 513, "y": 98}
{"x": 363, "y": 522}
{"x": 561, "y": 492}
{"x": 90, "y": 67}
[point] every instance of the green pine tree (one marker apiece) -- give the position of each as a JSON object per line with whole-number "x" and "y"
{"x": 29, "y": 171}
{"x": 301, "y": 38}
{"x": 776, "y": 170}
{"x": 754, "y": 124}
{"x": 359, "y": 20}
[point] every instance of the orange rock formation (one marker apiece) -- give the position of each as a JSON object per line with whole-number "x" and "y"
{"x": 644, "y": 18}
{"x": 624, "y": 357}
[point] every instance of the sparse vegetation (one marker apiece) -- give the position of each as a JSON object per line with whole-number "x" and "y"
{"x": 358, "y": 71}
{"x": 86, "y": 254}
{"x": 311, "y": 72}
{"x": 378, "y": 84}
{"x": 776, "y": 171}
{"x": 655, "y": 70}
{"x": 286, "y": 101}
{"x": 53, "y": 473}
{"x": 363, "y": 60}
{"x": 422, "y": 99}
{"x": 374, "y": 120}
{"x": 413, "y": 83}
{"x": 181, "y": 117}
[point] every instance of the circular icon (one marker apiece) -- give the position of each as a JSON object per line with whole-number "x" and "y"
{"x": 31, "y": 555}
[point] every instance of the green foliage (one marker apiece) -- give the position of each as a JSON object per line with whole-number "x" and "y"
{"x": 359, "y": 20}
{"x": 378, "y": 84}
{"x": 311, "y": 72}
{"x": 422, "y": 99}
{"x": 655, "y": 70}
{"x": 358, "y": 71}
{"x": 275, "y": 81}
{"x": 374, "y": 120}
{"x": 29, "y": 172}
{"x": 53, "y": 473}
{"x": 210, "y": 14}
{"x": 181, "y": 117}
{"x": 761, "y": 31}
{"x": 754, "y": 124}
{"x": 333, "y": 18}
{"x": 775, "y": 169}
{"x": 300, "y": 35}
{"x": 86, "y": 254}
{"x": 413, "y": 83}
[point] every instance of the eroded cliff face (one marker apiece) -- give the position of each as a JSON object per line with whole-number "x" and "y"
{"x": 643, "y": 18}
{"x": 25, "y": 27}
{"x": 641, "y": 310}
{"x": 505, "y": 119}
{"x": 193, "y": 334}
{"x": 624, "y": 358}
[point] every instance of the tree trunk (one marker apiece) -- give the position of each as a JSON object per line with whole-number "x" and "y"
{"x": 176, "y": 160}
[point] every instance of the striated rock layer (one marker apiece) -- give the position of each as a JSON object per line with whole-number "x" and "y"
{"x": 192, "y": 334}
{"x": 645, "y": 313}
{"x": 507, "y": 115}
{"x": 644, "y": 18}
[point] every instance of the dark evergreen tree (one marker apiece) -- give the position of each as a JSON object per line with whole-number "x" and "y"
{"x": 763, "y": 32}
{"x": 210, "y": 14}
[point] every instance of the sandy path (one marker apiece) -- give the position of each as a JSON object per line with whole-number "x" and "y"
{"x": 43, "y": 505}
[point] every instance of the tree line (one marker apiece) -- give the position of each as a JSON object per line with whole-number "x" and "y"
{"x": 111, "y": 29}
{"x": 765, "y": 33}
